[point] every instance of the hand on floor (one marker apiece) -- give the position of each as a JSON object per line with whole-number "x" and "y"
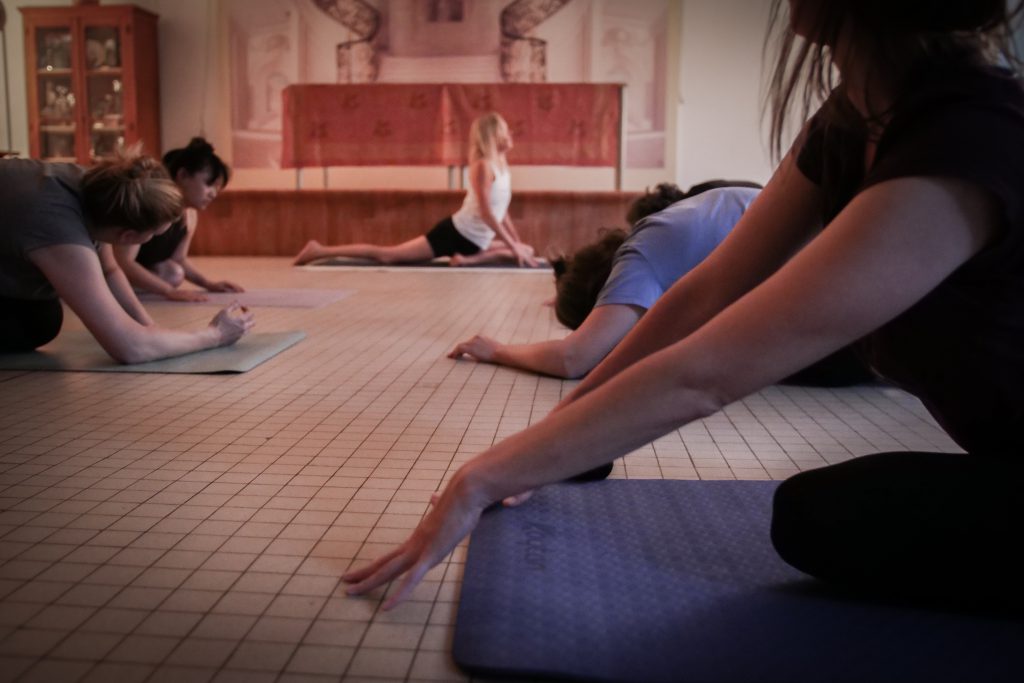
{"x": 455, "y": 514}
{"x": 478, "y": 348}
{"x": 223, "y": 286}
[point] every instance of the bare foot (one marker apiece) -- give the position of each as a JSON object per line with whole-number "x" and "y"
{"x": 311, "y": 252}
{"x": 457, "y": 260}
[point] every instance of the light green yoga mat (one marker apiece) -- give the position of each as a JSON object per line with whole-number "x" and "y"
{"x": 78, "y": 351}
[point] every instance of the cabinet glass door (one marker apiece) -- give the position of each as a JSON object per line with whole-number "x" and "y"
{"x": 104, "y": 85}
{"x": 56, "y": 94}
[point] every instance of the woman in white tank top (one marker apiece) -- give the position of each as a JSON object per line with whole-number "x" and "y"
{"x": 467, "y": 236}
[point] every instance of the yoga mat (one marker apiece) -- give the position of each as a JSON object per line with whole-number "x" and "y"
{"x": 439, "y": 262}
{"x": 78, "y": 351}
{"x": 656, "y": 581}
{"x": 285, "y": 298}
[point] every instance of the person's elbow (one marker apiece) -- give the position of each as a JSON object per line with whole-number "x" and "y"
{"x": 574, "y": 364}
{"x": 125, "y": 354}
{"x": 126, "y": 349}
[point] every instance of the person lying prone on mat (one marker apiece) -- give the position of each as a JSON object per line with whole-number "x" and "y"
{"x": 161, "y": 265}
{"x": 895, "y": 219}
{"x": 59, "y": 222}
{"x": 603, "y": 290}
{"x": 468, "y": 235}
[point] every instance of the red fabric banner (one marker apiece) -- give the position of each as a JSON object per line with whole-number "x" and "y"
{"x": 382, "y": 124}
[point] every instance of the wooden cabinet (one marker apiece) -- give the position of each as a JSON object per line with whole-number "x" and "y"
{"x": 93, "y": 81}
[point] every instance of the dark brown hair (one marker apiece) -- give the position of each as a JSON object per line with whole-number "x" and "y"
{"x": 579, "y": 279}
{"x": 130, "y": 192}
{"x": 892, "y": 36}
{"x": 197, "y": 157}
{"x": 667, "y": 194}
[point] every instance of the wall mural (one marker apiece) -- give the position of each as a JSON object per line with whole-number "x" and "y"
{"x": 274, "y": 43}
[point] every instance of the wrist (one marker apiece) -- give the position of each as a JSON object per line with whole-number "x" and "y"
{"x": 472, "y": 485}
{"x": 213, "y": 337}
{"x": 500, "y": 354}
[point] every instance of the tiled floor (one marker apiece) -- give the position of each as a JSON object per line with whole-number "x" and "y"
{"x": 193, "y": 527}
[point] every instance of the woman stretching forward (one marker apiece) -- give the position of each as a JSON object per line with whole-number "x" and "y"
{"x": 60, "y": 222}
{"x": 161, "y": 265}
{"x": 466, "y": 236}
{"x": 895, "y": 222}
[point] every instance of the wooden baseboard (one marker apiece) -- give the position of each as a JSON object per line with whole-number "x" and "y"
{"x": 278, "y": 223}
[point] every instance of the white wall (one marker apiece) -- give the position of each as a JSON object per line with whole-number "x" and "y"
{"x": 720, "y": 130}
{"x": 716, "y": 76}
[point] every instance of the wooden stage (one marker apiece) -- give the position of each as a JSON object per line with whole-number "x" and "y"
{"x": 279, "y": 222}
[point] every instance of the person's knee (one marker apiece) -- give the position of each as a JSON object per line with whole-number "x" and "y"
{"x": 171, "y": 272}
{"x": 790, "y": 526}
{"x": 37, "y": 324}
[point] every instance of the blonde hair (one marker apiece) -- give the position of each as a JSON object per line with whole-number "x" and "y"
{"x": 483, "y": 138}
{"x": 130, "y": 192}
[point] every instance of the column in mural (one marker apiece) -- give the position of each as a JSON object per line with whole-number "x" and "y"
{"x": 523, "y": 57}
{"x": 357, "y": 58}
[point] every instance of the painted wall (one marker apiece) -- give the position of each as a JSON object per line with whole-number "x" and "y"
{"x": 713, "y": 86}
{"x": 720, "y": 130}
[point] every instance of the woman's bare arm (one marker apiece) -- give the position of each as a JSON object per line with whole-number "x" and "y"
{"x": 119, "y": 286}
{"x": 192, "y": 273}
{"x": 570, "y": 357}
{"x": 76, "y": 275}
{"x": 890, "y": 247}
{"x": 777, "y": 224}
{"x": 137, "y": 274}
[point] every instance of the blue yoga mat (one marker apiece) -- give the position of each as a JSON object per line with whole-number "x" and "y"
{"x": 651, "y": 581}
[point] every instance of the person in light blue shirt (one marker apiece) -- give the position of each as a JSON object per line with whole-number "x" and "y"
{"x": 604, "y": 289}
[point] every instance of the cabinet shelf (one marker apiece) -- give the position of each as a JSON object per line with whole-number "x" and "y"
{"x": 102, "y": 91}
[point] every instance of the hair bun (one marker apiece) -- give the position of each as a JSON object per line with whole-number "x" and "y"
{"x": 199, "y": 144}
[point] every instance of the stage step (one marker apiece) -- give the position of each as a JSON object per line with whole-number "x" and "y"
{"x": 457, "y": 69}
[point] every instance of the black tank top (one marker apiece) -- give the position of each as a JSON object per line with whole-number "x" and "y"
{"x": 960, "y": 349}
{"x": 162, "y": 246}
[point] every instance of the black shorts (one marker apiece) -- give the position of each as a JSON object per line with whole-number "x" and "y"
{"x": 27, "y": 325}
{"x": 445, "y": 240}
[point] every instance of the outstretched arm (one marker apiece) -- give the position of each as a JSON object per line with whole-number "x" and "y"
{"x": 892, "y": 245}
{"x": 570, "y": 357}
{"x": 192, "y": 274}
{"x": 780, "y": 221}
{"x": 142, "y": 278}
{"x": 119, "y": 286}
{"x": 76, "y": 275}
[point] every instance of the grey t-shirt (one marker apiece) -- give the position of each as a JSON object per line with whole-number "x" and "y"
{"x": 40, "y": 206}
{"x": 667, "y": 245}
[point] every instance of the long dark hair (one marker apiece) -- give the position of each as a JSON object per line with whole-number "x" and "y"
{"x": 892, "y": 36}
{"x": 197, "y": 157}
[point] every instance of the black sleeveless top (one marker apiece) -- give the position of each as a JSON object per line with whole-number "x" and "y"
{"x": 162, "y": 246}
{"x": 961, "y": 348}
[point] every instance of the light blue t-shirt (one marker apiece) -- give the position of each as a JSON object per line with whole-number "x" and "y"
{"x": 667, "y": 245}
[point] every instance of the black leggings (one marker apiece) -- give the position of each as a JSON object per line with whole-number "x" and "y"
{"x": 937, "y": 527}
{"x": 842, "y": 369}
{"x": 26, "y": 325}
